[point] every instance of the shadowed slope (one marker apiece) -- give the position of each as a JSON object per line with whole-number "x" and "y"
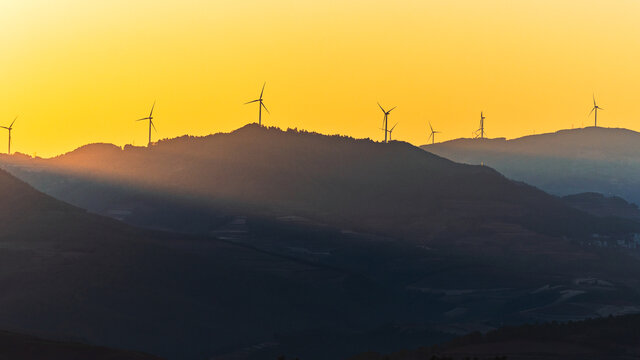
{"x": 600, "y": 205}
{"x": 70, "y": 274}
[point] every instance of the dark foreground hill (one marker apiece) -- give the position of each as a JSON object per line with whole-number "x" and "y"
{"x": 612, "y": 338}
{"x": 394, "y": 189}
{"x": 602, "y": 160}
{"x": 25, "y": 347}
{"x": 65, "y": 273}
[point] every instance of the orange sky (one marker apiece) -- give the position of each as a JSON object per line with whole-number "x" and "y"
{"x": 83, "y": 71}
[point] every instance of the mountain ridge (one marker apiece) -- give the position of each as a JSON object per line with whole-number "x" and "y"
{"x": 330, "y": 178}
{"x": 266, "y": 267}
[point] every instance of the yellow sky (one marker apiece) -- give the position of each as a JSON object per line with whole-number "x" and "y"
{"x": 80, "y": 71}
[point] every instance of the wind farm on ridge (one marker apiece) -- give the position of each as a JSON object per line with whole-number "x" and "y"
{"x": 480, "y": 133}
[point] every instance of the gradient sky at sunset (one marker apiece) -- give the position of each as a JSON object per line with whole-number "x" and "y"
{"x": 79, "y": 71}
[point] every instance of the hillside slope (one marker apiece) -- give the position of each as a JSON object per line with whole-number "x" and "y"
{"x": 603, "y": 160}
{"x": 71, "y": 274}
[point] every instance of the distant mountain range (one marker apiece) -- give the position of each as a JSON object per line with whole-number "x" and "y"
{"x": 393, "y": 189}
{"x": 602, "y": 160}
{"x": 294, "y": 243}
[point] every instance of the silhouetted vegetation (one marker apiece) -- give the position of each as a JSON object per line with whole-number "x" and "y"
{"x": 25, "y": 347}
{"x": 601, "y": 338}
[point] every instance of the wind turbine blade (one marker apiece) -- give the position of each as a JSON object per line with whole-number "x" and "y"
{"x": 153, "y": 126}
{"x": 591, "y": 112}
{"x": 4, "y": 127}
{"x": 143, "y": 119}
{"x": 252, "y": 101}
{"x": 14, "y": 120}
{"x": 381, "y": 108}
{"x": 392, "y": 109}
{"x": 394, "y": 126}
{"x": 430, "y": 126}
{"x": 594, "y": 99}
{"x": 152, "y": 106}
{"x": 262, "y": 92}
{"x": 265, "y": 107}
{"x": 430, "y": 136}
{"x": 599, "y": 108}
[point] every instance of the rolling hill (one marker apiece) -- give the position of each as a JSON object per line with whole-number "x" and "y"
{"x": 601, "y": 160}
{"x": 293, "y": 243}
{"x": 68, "y": 274}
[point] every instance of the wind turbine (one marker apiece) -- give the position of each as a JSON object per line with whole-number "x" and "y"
{"x": 391, "y": 131}
{"x": 261, "y": 105}
{"x": 385, "y": 120}
{"x": 480, "y": 132}
{"x": 432, "y": 136}
{"x": 150, "y": 118}
{"x": 595, "y": 108}
{"x": 10, "y": 127}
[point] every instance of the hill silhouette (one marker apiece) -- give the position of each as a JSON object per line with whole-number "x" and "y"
{"x": 275, "y": 266}
{"x": 359, "y": 184}
{"x": 25, "y": 347}
{"x": 600, "y": 205}
{"x": 602, "y": 160}
{"x": 66, "y": 273}
{"x": 604, "y": 338}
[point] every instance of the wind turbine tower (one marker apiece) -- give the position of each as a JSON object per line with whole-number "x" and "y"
{"x": 10, "y": 127}
{"x": 480, "y": 131}
{"x": 432, "y": 136}
{"x": 150, "y": 118}
{"x": 595, "y": 108}
{"x": 385, "y": 121}
{"x": 260, "y": 105}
